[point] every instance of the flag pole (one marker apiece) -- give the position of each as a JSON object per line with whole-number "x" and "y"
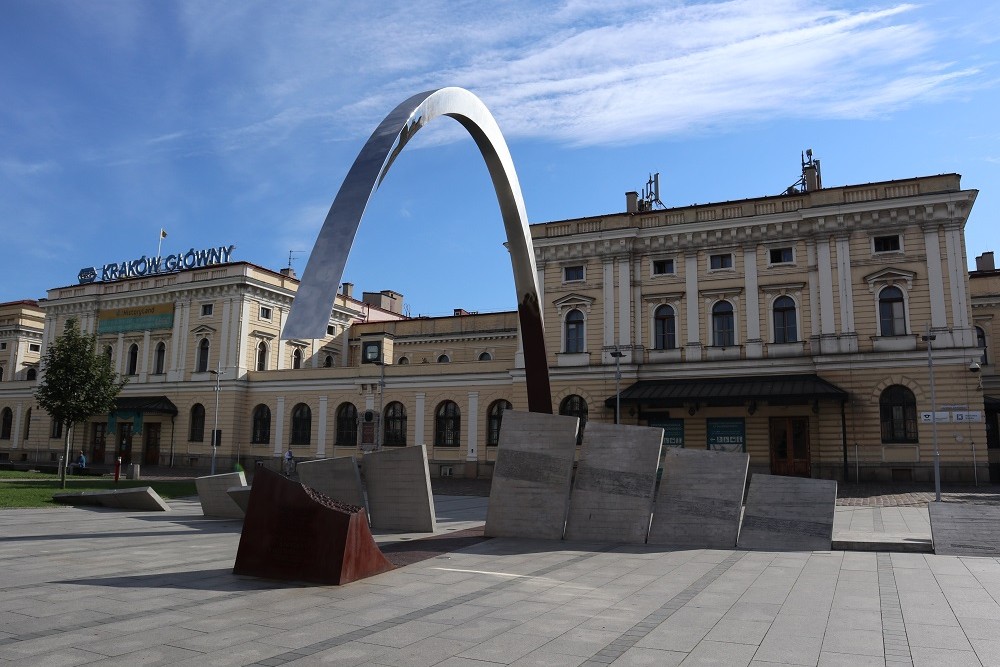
{"x": 159, "y": 242}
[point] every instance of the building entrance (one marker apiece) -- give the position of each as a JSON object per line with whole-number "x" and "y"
{"x": 97, "y": 435}
{"x": 790, "y": 446}
{"x": 151, "y": 444}
{"x": 124, "y": 441}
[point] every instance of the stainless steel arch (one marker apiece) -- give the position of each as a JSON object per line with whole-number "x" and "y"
{"x": 317, "y": 292}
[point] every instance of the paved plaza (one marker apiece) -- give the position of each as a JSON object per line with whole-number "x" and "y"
{"x": 103, "y": 587}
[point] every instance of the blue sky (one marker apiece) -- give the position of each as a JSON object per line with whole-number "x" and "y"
{"x": 235, "y": 122}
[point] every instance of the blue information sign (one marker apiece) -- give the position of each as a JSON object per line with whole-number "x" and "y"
{"x": 727, "y": 434}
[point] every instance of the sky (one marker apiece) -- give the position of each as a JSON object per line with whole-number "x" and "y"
{"x": 234, "y": 123}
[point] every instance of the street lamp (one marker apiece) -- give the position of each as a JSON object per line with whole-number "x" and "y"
{"x": 929, "y": 339}
{"x": 618, "y": 354}
{"x": 215, "y": 425}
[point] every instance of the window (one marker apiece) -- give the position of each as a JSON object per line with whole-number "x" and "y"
{"x": 3, "y": 346}
{"x": 201, "y": 365}
{"x": 133, "y": 360}
{"x": 785, "y": 329}
{"x": 109, "y": 352}
{"x": 664, "y": 328}
{"x": 159, "y": 358}
{"x": 485, "y": 356}
{"x": 207, "y": 309}
{"x": 301, "y": 424}
{"x": 663, "y": 267}
{"x": 27, "y": 424}
{"x": 347, "y": 425}
{"x": 297, "y": 358}
{"x": 444, "y": 359}
{"x": 403, "y": 361}
{"x": 572, "y": 273}
{"x": 886, "y": 243}
{"x": 493, "y": 418}
{"x": 722, "y": 261}
{"x": 781, "y": 256}
{"x": 34, "y": 347}
{"x": 898, "y": 410}
{"x": 1, "y": 373}
{"x": 262, "y": 356}
{"x": 331, "y": 330}
{"x": 328, "y": 361}
{"x": 395, "y": 424}
{"x": 6, "y": 423}
{"x": 575, "y": 406}
{"x": 265, "y": 313}
{"x": 891, "y": 317}
{"x": 196, "y": 430}
{"x": 574, "y": 331}
{"x": 723, "y": 325}
{"x": 260, "y": 433}
{"x": 55, "y": 429}
{"x": 980, "y": 343}
{"x": 447, "y": 425}
{"x": 32, "y": 374}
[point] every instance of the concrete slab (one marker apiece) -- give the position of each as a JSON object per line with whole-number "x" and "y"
{"x": 240, "y": 496}
{"x": 212, "y": 493}
{"x": 788, "y": 514}
{"x": 612, "y": 498}
{"x": 529, "y": 495}
{"x": 960, "y": 529}
{"x": 700, "y": 499}
{"x": 399, "y": 489}
{"x": 142, "y": 498}
{"x": 337, "y": 478}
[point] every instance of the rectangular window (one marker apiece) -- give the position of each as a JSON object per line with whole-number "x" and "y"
{"x": 886, "y": 243}
{"x": 207, "y": 309}
{"x": 663, "y": 267}
{"x": 3, "y": 346}
{"x": 55, "y": 430}
{"x": 34, "y": 347}
{"x": 781, "y": 256}
{"x": 572, "y": 273}
{"x": 331, "y": 330}
{"x": 265, "y": 313}
{"x": 722, "y": 261}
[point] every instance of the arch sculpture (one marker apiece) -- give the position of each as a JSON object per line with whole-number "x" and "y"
{"x": 317, "y": 292}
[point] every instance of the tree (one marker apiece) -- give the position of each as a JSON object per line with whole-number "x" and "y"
{"x": 77, "y": 383}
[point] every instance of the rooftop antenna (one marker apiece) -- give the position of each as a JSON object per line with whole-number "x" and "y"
{"x": 812, "y": 177}
{"x": 651, "y": 194}
{"x": 291, "y": 253}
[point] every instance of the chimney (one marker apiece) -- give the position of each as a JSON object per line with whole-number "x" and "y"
{"x": 985, "y": 262}
{"x": 348, "y": 290}
{"x": 631, "y": 202}
{"x": 288, "y": 271}
{"x": 810, "y": 176}
{"x": 458, "y": 312}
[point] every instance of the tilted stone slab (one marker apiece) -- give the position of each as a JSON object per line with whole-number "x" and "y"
{"x": 214, "y": 497}
{"x": 958, "y": 529}
{"x": 788, "y": 514}
{"x": 240, "y": 496}
{"x": 399, "y": 489}
{"x": 141, "y": 498}
{"x": 612, "y": 497}
{"x": 295, "y": 533}
{"x": 700, "y": 498}
{"x": 529, "y": 494}
{"x": 337, "y": 478}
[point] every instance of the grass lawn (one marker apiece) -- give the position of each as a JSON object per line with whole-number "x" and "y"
{"x": 33, "y": 489}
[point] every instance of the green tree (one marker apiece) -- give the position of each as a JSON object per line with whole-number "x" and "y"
{"x": 77, "y": 383}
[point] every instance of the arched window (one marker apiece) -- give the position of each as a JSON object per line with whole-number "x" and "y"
{"x": 160, "y": 358}
{"x": 297, "y": 358}
{"x": 32, "y": 374}
{"x": 785, "y": 328}
{"x": 201, "y": 365}
{"x": 447, "y": 425}
{"x": 574, "y": 331}
{"x": 723, "y": 325}
{"x": 301, "y": 424}
{"x": 493, "y": 418}
{"x": 109, "y": 353}
{"x": 261, "y": 430}
{"x": 980, "y": 343}
{"x": 485, "y": 356}
{"x": 575, "y": 406}
{"x": 891, "y": 315}
{"x": 328, "y": 361}
{"x": 1, "y": 373}
{"x": 196, "y": 431}
{"x": 444, "y": 359}
{"x": 403, "y": 361}
{"x": 395, "y": 424}
{"x": 132, "y": 367}
{"x": 27, "y": 424}
{"x": 262, "y": 356}
{"x": 347, "y": 425}
{"x": 6, "y": 422}
{"x": 898, "y": 410}
{"x": 664, "y": 328}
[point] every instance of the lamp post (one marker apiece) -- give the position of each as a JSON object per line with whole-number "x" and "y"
{"x": 618, "y": 354}
{"x": 380, "y": 362}
{"x": 215, "y": 425}
{"x": 937, "y": 454}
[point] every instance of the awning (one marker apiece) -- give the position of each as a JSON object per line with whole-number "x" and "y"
{"x": 723, "y": 391}
{"x": 155, "y": 404}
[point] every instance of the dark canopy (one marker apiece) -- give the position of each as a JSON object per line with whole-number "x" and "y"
{"x": 722, "y": 391}
{"x": 155, "y": 404}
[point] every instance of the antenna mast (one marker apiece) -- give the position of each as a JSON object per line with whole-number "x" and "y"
{"x": 651, "y": 194}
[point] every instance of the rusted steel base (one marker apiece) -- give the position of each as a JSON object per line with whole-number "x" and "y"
{"x": 295, "y": 533}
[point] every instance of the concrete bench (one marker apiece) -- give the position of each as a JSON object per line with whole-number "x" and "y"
{"x": 214, "y": 496}
{"x": 240, "y": 496}
{"x": 142, "y": 498}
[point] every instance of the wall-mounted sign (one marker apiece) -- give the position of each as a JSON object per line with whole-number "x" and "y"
{"x": 148, "y": 266}
{"x": 138, "y": 318}
{"x": 941, "y": 417}
{"x": 673, "y": 431}
{"x": 967, "y": 416}
{"x": 726, "y": 434}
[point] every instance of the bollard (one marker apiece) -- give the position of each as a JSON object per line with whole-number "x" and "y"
{"x": 118, "y": 469}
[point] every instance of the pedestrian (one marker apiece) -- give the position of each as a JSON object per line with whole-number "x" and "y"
{"x": 81, "y": 463}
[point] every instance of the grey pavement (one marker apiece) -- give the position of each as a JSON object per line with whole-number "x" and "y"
{"x": 104, "y": 587}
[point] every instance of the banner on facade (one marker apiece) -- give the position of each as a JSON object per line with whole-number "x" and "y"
{"x": 136, "y": 318}
{"x": 726, "y": 434}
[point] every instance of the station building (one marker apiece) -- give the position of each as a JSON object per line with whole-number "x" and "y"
{"x": 792, "y": 327}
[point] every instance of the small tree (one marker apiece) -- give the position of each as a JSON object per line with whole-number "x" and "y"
{"x": 77, "y": 383}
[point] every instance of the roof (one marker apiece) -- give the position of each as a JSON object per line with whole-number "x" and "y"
{"x": 775, "y": 389}
{"x": 157, "y": 404}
